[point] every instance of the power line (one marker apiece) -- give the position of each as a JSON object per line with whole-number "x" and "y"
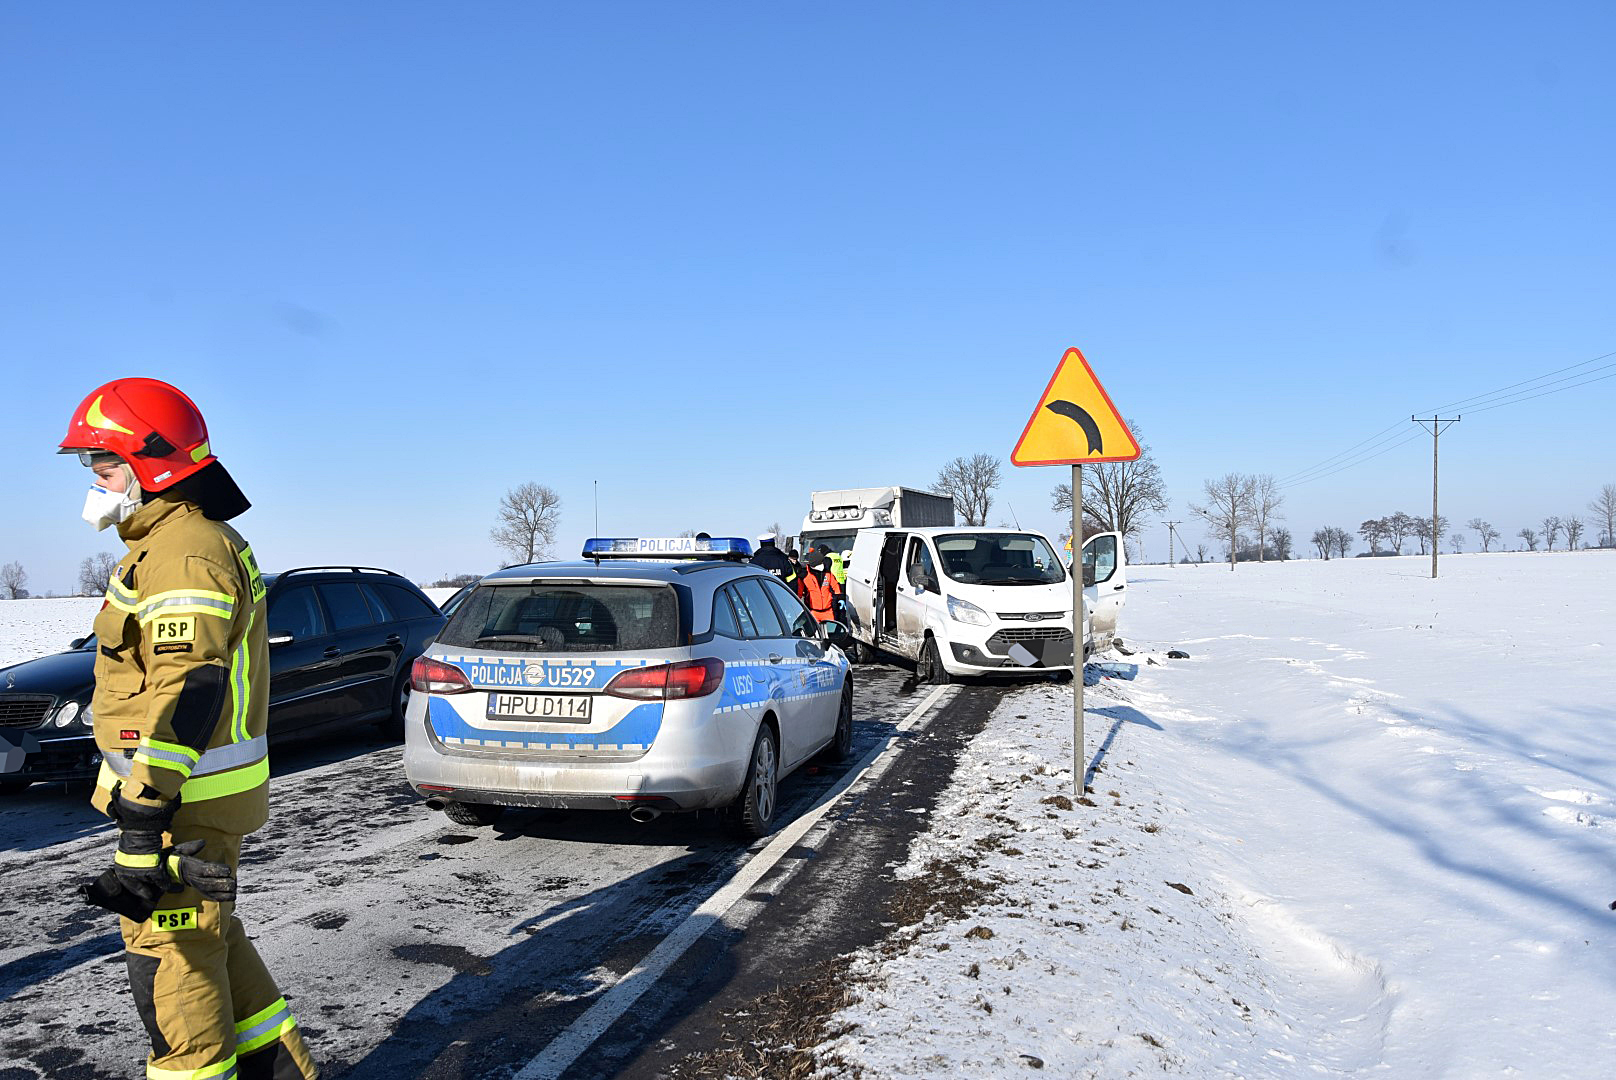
{"x": 1348, "y": 450}
{"x": 1546, "y": 393}
{"x": 1524, "y": 382}
{"x": 1324, "y": 468}
{"x": 1350, "y": 464}
{"x": 1384, "y": 441}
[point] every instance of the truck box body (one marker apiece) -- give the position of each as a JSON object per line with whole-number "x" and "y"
{"x": 835, "y": 517}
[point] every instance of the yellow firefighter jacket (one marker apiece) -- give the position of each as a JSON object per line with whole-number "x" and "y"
{"x": 182, "y": 671}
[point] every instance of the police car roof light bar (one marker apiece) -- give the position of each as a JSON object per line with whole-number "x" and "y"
{"x": 669, "y": 547}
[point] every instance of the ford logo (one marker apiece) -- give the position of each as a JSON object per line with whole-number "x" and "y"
{"x": 1033, "y": 616}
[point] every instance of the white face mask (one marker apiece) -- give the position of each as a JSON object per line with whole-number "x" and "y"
{"x": 103, "y": 507}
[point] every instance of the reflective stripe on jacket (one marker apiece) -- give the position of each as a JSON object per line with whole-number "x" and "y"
{"x": 182, "y": 669}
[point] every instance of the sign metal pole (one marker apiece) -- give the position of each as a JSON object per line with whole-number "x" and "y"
{"x": 1077, "y": 631}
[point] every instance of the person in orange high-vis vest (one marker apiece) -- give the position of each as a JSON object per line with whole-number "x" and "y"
{"x": 181, "y": 709}
{"x": 818, "y": 588}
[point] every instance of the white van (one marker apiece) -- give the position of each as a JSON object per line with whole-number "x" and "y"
{"x": 978, "y": 601}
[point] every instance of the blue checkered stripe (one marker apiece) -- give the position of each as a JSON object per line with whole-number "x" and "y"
{"x": 814, "y": 679}
{"x": 503, "y": 673}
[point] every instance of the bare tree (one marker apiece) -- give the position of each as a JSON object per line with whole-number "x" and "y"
{"x": 971, "y": 481}
{"x": 1265, "y": 504}
{"x": 1282, "y": 543}
{"x": 1200, "y": 551}
{"x": 1530, "y": 537}
{"x": 1373, "y": 532}
{"x": 13, "y": 581}
{"x": 1551, "y": 530}
{"x": 1456, "y": 541}
{"x": 1343, "y": 541}
{"x": 528, "y": 516}
{"x": 1228, "y": 508}
{"x": 1604, "y": 510}
{"x": 1321, "y": 541}
{"x": 1118, "y": 496}
{"x": 1485, "y": 532}
{"x": 1398, "y": 526}
{"x": 95, "y": 571}
{"x": 1426, "y": 532}
{"x": 1573, "y": 528}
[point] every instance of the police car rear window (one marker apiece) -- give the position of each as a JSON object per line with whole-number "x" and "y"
{"x": 542, "y": 617}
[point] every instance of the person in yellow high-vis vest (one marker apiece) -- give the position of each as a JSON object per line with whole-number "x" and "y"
{"x": 180, "y": 711}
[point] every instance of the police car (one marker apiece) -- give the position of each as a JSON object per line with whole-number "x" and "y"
{"x": 656, "y": 675}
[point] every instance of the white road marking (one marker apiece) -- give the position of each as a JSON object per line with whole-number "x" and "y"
{"x": 568, "y": 1046}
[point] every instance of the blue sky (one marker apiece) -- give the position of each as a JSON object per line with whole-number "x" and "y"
{"x": 715, "y": 256}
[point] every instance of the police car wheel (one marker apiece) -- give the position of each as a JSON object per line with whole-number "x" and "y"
{"x": 472, "y": 813}
{"x": 931, "y": 669}
{"x": 840, "y": 747}
{"x": 754, "y": 810}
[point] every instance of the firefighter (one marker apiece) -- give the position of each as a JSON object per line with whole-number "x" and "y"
{"x": 818, "y": 587}
{"x": 771, "y": 558}
{"x": 181, "y": 705}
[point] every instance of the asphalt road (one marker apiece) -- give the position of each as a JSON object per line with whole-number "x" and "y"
{"x": 410, "y": 946}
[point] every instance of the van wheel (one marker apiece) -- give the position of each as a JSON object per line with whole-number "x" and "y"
{"x": 930, "y": 670}
{"x": 472, "y": 813}
{"x": 840, "y": 747}
{"x": 754, "y": 810}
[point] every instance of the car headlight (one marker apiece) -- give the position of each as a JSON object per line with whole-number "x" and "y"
{"x": 966, "y": 612}
{"x": 71, "y": 712}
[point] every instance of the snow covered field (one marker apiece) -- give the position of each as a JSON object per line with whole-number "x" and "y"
{"x": 30, "y": 628}
{"x": 1367, "y": 828}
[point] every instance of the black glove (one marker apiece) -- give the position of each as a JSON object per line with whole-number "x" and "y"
{"x": 138, "y": 863}
{"x": 213, "y": 880}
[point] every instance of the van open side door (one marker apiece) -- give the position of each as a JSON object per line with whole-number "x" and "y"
{"x": 1105, "y": 581}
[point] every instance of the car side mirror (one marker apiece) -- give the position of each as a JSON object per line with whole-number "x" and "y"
{"x": 77, "y": 643}
{"x": 278, "y": 638}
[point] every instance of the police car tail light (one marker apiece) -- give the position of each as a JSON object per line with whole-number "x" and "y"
{"x": 667, "y": 682}
{"x": 428, "y": 676}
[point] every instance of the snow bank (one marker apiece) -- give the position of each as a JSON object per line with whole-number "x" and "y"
{"x": 1367, "y": 827}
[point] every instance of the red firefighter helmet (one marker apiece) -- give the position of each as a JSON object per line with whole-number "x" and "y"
{"x": 146, "y": 422}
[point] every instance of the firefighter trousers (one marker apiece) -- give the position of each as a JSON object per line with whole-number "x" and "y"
{"x": 208, "y": 1003}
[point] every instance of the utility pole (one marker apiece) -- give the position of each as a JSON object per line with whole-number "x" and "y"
{"x": 1170, "y": 526}
{"x": 1436, "y": 428}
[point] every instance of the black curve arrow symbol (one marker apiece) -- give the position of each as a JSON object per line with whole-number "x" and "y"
{"x": 1080, "y": 416}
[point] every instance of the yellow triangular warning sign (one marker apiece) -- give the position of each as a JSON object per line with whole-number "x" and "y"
{"x": 1075, "y": 422}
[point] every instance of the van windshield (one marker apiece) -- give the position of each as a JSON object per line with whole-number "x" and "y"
{"x": 559, "y": 617}
{"x": 999, "y": 559}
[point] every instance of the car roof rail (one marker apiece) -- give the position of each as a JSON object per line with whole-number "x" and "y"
{"x": 339, "y": 570}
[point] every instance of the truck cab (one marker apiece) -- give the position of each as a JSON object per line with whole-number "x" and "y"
{"x": 979, "y": 601}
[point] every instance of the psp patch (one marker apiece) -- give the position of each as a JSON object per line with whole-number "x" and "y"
{"x": 174, "y": 919}
{"x": 173, "y": 628}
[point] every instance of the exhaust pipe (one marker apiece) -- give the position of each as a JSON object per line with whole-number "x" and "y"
{"x": 436, "y": 802}
{"x": 644, "y": 814}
